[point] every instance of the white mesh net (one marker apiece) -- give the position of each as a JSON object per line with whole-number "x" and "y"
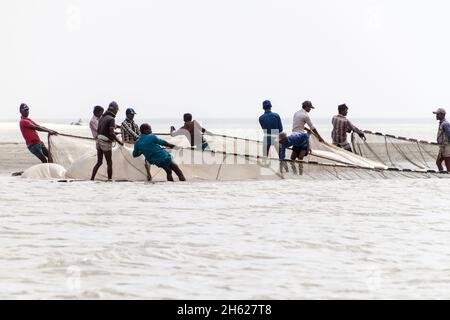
{"x": 234, "y": 159}
{"x": 397, "y": 152}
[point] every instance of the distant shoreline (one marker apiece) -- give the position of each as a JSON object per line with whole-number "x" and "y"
{"x": 319, "y": 120}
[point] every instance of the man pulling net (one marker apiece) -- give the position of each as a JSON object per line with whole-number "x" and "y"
{"x": 342, "y": 126}
{"x": 149, "y": 145}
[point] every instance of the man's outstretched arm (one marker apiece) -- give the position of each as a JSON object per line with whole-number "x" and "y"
{"x": 314, "y": 130}
{"x": 164, "y": 143}
{"x": 355, "y": 129}
{"x": 40, "y": 128}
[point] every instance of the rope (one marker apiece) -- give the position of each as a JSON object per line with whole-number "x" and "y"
{"x": 130, "y": 163}
{"x": 217, "y": 135}
{"x": 397, "y": 137}
{"x": 72, "y": 136}
{"x": 220, "y": 167}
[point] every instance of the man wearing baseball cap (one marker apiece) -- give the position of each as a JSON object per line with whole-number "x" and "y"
{"x": 130, "y": 133}
{"x": 443, "y": 139}
{"x": 129, "y": 129}
{"x": 301, "y": 118}
{"x": 29, "y": 130}
{"x": 271, "y": 124}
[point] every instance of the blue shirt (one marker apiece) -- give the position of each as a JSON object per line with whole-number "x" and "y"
{"x": 150, "y": 146}
{"x": 270, "y": 121}
{"x": 300, "y": 140}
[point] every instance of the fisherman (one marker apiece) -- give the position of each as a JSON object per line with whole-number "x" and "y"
{"x": 299, "y": 142}
{"x": 105, "y": 139}
{"x": 271, "y": 124}
{"x": 443, "y": 139}
{"x": 93, "y": 123}
{"x": 193, "y": 132}
{"x": 130, "y": 133}
{"x": 29, "y": 130}
{"x": 149, "y": 145}
{"x": 341, "y": 125}
{"x": 129, "y": 129}
{"x": 301, "y": 118}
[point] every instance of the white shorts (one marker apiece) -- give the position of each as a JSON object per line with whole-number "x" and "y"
{"x": 103, "y": 143}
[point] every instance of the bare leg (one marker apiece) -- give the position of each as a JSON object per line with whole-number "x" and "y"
{"x": 168, "y": 171}
{"x": 283, "y": 167}
{"x": 47, "y": 154}
{"x": 294, "y": 157}
{"x": 178, "y": 171}
{"x": 439, "y": 161}
{"x": 302, "y": 154}
{"x": 447, "y": 163}
{"x": 108, "y": 157}
{"x": 147, "y": 168}
{"x": 98, "y": 164}
{"x": 42, "y": 157}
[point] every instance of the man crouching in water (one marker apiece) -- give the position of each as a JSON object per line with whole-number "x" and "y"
{"x": 300, "y": 148}
{"x": 150, "y": 146}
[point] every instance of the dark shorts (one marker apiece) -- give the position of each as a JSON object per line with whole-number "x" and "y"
{"x": 37, "y": 149}
{"x": 298, "y": 149}
{"x": 165, "y": 164}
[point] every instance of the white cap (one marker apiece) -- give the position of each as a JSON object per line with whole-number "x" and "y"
{"x": 440, "y": 110}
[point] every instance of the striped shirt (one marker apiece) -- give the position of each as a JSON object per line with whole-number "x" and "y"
{"x": 130, "y": 131}
{"x": 341, "y": 125}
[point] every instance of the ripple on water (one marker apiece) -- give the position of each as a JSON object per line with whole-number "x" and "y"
{"x": 252, "y": 239}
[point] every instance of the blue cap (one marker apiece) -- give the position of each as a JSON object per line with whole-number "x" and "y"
{"x": 267, "y": 104}
{"x": 130, "y": 111}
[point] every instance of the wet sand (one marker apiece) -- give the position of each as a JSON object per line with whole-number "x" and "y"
{"x": 15, "y": 157}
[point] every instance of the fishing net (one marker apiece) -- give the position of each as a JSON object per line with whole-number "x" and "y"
{"x": 396, "y": 152}
{"x": 229, "y": 159}
{"x": 79, "y": 155}
{"x": 45, "y": 171}
{"x": 321, "y": 152}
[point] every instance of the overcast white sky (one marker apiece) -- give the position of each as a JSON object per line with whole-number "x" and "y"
{"x": 222, "y": 58}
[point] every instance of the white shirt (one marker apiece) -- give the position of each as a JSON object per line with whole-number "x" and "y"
{"x": 300, "y": 118}
{"x": 93, "y": 125}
